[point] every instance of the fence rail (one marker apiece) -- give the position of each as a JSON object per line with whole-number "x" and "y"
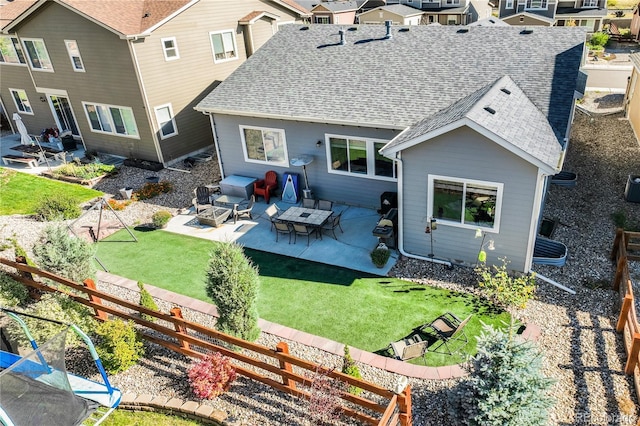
{"x": 194, "y": 340}
{"x": 626, "y": 247}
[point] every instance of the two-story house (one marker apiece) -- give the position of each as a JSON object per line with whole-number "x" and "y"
{"x": 399, "y": 14}
{"x": 449, "y": 12}
{"x": 123, "y": 76}
{"x": 579, "y": 13}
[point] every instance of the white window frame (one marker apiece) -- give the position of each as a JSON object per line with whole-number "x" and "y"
{"x": 162, "y": 123}
{"x": 590, "y": 3}
{"x": 48, "y": 67}
{"x": 536, "y": 5}
{"x": 166, "y": 50}
{"x": 233, "y": 40}
{"x": 283, "y": 163}
{"x": 508, "y": 4}
{"x": 109, "y": 120}
{"x": 371, "y": 158}
{"x": 452, "y": 19}
{"x": 323, "y": 19}
{"x": 449, "y": 222}
{"x": 74, "y": 53}
{"x": 15, "y": 52}
{"x": 24, "y": 106}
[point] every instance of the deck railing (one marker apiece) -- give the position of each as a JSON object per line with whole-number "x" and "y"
{"x": 626, "y": 247}
{"x": 383, "y": 408}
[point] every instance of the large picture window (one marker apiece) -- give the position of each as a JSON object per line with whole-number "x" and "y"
{"x": 38, "y": 55}
{"x": 10, "y": 51}
{"x": 166, "y": 121}
{"x": 468, "y": 203}
{"x": 21, "y": 100}
{"x": 264, "y": 145}
{"x": 224, "y": 47}
{"x": 358, "y": 156}
{"x": 111, "y": 119}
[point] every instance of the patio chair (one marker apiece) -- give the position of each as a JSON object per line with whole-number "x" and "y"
{"x": 303, "y": 230}
{"x": 332, "y": 224}
{"x": 202, "y": 200}
{"x": 409, "y": 347}
{"x": 325, "y": 205}
{"x": 246, "y": 212}
{"x": 308, "y": 203}
{"x": 283, "y": 228}
{"x": 267, "y": 186}
{"x": 448, "y": 328}
{"x": 272, "y": 213}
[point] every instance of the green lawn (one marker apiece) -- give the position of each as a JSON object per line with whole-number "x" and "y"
{"x": 347, "y": 306}
{"x": 20, "y": 193}
{"x": 147, "y": 418}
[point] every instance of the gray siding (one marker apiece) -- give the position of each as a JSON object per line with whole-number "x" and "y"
{"x": 463, "y": 153}
{"x": 109, "y": 77}
{"x": 301, "y": 138}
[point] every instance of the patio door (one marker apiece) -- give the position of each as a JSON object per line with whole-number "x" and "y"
{"x": 63, "y": 114}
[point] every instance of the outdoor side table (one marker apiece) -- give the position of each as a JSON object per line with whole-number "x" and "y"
{"x": 228, "y": 201}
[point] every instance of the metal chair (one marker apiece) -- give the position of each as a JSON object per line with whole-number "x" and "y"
{"x": 408, "y": 348}
{"x": 448, "y": 328}
{"x": 332, "y": 224}
{"x": 308, "y": 203}
{"x": 303, "y": 230}
{"x": 283, "y": 228}
{"x": 325, "y": 205}
{"x": 272, "y": 213}
{"x": 246, "y": 212}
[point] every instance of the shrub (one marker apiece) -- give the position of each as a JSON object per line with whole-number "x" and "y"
{"x": 84, "y": 171}
{"x": 161, "y": 218}
{"x": 506, "y": 385}
{"x": 380, "y": 256}
{"x": 64, "y": 255}
{"x": 146, "y": 300}
{"x": 504, "y": 289}
{"x": 211, "y": 376}
{"x": 58, "y": 207}
{"x": 349, "y": 367}
{"x": 324, "y": 403}
{"x": 59, "y": 307}
{"x": 599, "y": 39}
{"x": 232, "y": 283}
{"x": 118, "y": 345}
{"x": 12, "y": 292}
{"x": 150, "y": 190}
{"x": 118, "y": 205}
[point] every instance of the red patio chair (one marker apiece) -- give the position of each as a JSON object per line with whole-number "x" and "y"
{"x": 267, "y": 186}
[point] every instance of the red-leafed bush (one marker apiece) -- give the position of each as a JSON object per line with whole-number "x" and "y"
{"x": 211, "y": 376}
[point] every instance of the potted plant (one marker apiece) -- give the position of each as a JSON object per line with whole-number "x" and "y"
{"x": 161, "y": 218}
{"x": 380, "y": 255}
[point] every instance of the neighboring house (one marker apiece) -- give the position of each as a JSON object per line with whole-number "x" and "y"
{"x": 462, "y": 134}
{"x": 399, "y": 14}
{"x": 635, "y": 23}
{"x": 336, "y": 12}
{"x": 632, "y": 96}
{"x": 123, "y": 76}
{"x": 489, "y": 22}
{"x": 579, "y": 13}
{"x": 449, "y": 12}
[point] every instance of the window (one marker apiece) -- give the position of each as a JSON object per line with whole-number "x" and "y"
{"x": 536, "y": 4}
{"x": 468, "y": 203}
{"x": 111, "y": 119}
{"x": 223, "y": 44}
{"x": 264, "y": 145}
{"x": 452, "y": 19}
{"x": 74, "y": 54}
{"x": 37, "y": 52}
{"x": 166, "y": 121}
{"x": 170, "y": 48}
{"x": 322, "y": 20}
{"x": 590, "y": 3}
{"x": 358, "y": 156}
{"x": 22, "y": 102}
{"x": 10, "y": 51}
{"x": 452, "y": 2}
{"x": 509, "y": 4}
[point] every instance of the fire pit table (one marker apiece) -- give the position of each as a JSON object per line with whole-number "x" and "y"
{"x": 214, "y": 216}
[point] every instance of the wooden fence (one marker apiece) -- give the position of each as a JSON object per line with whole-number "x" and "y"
{"x": 626, "y": 247}
{"x": 194, "y": 340}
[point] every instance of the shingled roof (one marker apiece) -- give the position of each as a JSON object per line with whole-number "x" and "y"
{"x": 307, "y": 75}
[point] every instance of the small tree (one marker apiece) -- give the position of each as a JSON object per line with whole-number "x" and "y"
{"x": 63, "y": 254}
{"x": 118, "y": 345}
{"x": 506, "y": 385}
{"x": 349, "y": 367}
{"x": 598, "y": 41}
{"x": 146, "y": 300}
{"x": 211, "y": 376}
{"x": 232, "y": 283}
{"x": 506, "y": 289}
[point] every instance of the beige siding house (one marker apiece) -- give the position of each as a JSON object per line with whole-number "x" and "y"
{"x": 632, "y": 97}
{"x": 399, "y": 14}
{"x": 123, "y": 77}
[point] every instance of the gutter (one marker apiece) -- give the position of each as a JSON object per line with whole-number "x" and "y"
{"x": 400, "y": 224}
{"x": 215, "y": 143}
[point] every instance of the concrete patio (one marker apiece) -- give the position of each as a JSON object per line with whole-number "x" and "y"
{"x": 9, "y": 140}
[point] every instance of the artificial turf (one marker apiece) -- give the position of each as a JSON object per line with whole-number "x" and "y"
{"x": 351, "y": 307}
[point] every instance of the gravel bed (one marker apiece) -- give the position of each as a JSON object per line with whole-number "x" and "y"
{"x": 583, "y": 353}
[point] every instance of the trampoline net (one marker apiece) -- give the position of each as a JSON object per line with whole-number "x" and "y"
{"x": 36, "y": 391}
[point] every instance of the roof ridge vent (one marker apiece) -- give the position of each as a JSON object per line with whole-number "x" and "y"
{"x": 463, "y": 30}
{"x": 505, "y": 90}
{"x": 527, "y": 31}
{"x": 490, "y": 110}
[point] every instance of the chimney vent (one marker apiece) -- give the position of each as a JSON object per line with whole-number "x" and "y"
{"x": 490, "y": 110}
{"x": 505, "y": 90}
{"x": 388, "y": 25}
{"x": 342, "y": 39}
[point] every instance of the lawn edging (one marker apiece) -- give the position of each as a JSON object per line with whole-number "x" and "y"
{"x": 531, "y": 332}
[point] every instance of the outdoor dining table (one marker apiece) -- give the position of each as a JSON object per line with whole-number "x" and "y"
{"x": 304, "y": 216}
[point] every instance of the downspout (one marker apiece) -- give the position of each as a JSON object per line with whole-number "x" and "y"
{"x": 215, "y": 143}
{"x": 154, "y": 136}
{"x": 400, "y": 222}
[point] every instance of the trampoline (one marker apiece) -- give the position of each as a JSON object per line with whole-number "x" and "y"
{"x": 36, "y": 389}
